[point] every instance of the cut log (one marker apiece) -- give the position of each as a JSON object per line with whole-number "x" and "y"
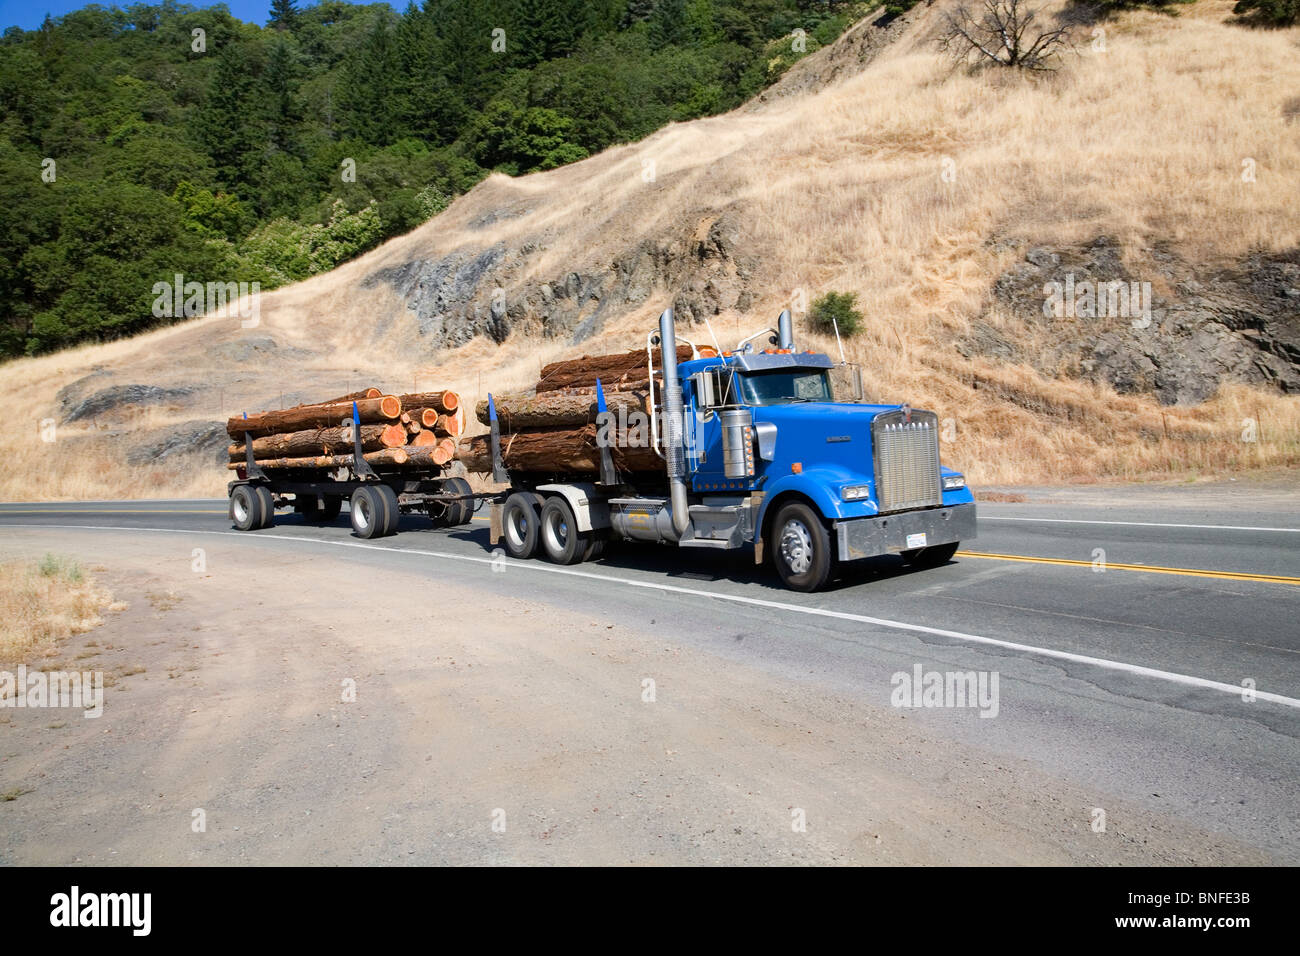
{"x": 381, "y": 410}
{"x": 446, "y": 401}
{"x": 354, "y": 397}
{"x": 384, "y": 457}
{"x": 429, "y": 456}
{"x": 558, "y": 451}
{"x": 550, "y": 409}
{"x": 423, "y": 437}
{"x": 610, "y": 369}
{"x": 446, "y": 426}
{"x": 321, "y": 441}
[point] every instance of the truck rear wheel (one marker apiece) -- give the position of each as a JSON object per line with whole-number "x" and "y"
{"x": 370, "y": 511}
{"x": 561, "y": 539}
{"x": 801, "y": 547}
{"x": 930, "y": 557}
{"x": 245, "y": 508}
{"x": 519, "y": 520}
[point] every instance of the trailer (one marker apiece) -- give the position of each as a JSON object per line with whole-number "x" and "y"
{"x": 377, "y": 497}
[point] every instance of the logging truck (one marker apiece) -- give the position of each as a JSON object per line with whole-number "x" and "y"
{"x": 773, "y": 449}
{"x": 762, "y": 448}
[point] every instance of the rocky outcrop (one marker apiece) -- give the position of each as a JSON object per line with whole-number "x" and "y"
{"x": 490, "y": 292}
{"x": 205, "y": 440}
{"x": 1147, "y": 321}
{"x": 115, "y": 398}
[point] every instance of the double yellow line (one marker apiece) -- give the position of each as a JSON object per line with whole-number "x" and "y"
{"x": 1152, "y": 569}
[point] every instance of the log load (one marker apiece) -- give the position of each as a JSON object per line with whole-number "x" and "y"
{"x": 551, "y": 409}
{"x": 612, "y": 370}
{"x": 382, "y": 410}
{"x": 559, "y": 451}
{"x": 446, "y": 426}
{"x": 321, "y": 441}
{"x": 445, "y": 402}
{"x": 383, "y": 457}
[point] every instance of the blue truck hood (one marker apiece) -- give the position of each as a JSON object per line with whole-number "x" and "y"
{"x": 824, "y": 435}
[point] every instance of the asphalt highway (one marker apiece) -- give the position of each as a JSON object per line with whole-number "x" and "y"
{"x": 1149, "y": 646}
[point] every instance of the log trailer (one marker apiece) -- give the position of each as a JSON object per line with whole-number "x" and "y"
{"x": 750, "y": 448}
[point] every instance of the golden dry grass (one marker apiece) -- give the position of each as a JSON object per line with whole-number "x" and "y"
{"x": 838, "y": 188}
{"x": 44, "y": 602}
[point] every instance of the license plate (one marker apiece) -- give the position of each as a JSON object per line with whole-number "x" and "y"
{"x": 916, "y": 540}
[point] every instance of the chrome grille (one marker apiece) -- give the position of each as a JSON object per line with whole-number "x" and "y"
{"x": 906, "y": 460}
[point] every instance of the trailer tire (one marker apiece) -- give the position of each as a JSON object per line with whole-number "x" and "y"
{"x": 561, "y": 539}
{"x": 930, "y": 557}
{"x": 245, "y": 508}
{"x": 520, "y": 516}
{"x": 392, "y": 510}
{"x": 369, "y": 511}
{"x": 308, "y": 506}
{"x": 801, "y": 547}
{"x": 330, "y": 507}
{"x": 459, "y": 512}
{"x": 266, "y": 502}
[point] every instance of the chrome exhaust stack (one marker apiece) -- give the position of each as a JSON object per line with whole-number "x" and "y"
{"x": 785, "y": 330}
{"x": 674, "y": 453}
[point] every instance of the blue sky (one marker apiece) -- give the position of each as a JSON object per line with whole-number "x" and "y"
{"x": 28, "y": 14}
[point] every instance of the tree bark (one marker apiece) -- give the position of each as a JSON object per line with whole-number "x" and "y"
{"x": 520, "y": 411}
{"x": 612, "y": 370}
{"x": 446, "y": 401}
{"x": 371, "y": 410}
{"x": 354, "y": 397}
{"x": 386, "y": 456}
{"x": 321, "y": 441}
{"x": 566, "y": 451}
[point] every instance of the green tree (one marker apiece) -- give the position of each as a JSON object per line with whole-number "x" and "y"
{"x": 284, "y": 15}
{"x": 836, "y": 309}
{"x": 1277, "y": 13}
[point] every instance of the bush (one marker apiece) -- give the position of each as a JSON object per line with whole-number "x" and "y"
{"x": 1277, "y": 13}
{"x": 836, "y": 308}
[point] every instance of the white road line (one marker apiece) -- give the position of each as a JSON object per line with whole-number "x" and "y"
{"x": 1122, "y": 666}
{"x": 1139, "y": 524}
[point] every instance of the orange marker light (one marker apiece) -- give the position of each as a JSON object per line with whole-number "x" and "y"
{"x": 797, "y": 468}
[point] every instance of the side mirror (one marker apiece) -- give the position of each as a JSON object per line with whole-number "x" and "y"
{"x": 705, "y": 394}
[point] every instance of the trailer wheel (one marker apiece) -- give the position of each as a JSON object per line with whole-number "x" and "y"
{"x": 245, "y": 508}
{"x": 330, "y": 507}
{"x": 930, "y": 557}
{"x": 266, "y": 501}
{"x": 393, "y": 510}
{"x": 801, "y": 547}
{"x": 460, "y": 512}
{"x": 561, "y": 539}
{"x": 308, "y": 506}
{"x": 519, "y": 521}
{"x": 369, "y": 511}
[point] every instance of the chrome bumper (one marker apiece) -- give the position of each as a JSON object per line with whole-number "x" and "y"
{"x": 888, "y": 534}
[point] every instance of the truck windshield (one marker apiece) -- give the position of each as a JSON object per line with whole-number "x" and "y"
{"x": 781, "y": 387}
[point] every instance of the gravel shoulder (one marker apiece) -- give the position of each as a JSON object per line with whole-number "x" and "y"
{"x": 227, "y": 697}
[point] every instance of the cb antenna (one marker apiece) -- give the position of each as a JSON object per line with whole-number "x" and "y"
{"x": 843, "y": 360}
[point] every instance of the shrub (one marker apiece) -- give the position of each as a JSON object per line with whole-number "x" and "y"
{"x": 836, "y": 308}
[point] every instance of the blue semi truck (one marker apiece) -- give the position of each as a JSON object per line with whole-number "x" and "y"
{"x": 758, "y": 450}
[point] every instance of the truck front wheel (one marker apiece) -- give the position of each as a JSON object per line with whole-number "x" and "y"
{"x": 801, "y": 547}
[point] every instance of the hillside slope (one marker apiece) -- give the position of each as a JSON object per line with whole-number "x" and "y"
{"x": 946, "y": 200}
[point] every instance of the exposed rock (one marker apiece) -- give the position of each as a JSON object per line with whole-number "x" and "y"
{"x": 1241, "y": 325}
{"x": 254, "y": 347}
{"x": 122, "y": 397}
{"x": 205, "y": 440}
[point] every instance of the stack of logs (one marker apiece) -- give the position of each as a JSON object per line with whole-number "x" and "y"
{"x": 416, "y": 431}
{"x": 552, "y": 430}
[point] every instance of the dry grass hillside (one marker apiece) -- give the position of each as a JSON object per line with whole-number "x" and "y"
{"x": 875, "y": 168}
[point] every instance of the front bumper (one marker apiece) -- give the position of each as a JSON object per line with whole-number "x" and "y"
{"x": 889, "y": 534}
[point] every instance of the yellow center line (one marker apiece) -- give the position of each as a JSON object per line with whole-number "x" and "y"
{"x": 1153, "y": 569}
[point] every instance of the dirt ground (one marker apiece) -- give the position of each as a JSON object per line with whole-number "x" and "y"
{"x": 516, "y": 737}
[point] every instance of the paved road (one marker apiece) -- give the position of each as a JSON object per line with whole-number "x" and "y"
{"x": 1128, "y": 679}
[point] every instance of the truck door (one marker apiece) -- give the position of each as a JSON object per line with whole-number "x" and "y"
{"x": 710, "y": 397}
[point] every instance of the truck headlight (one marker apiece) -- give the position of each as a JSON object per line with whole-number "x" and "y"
{"x": 855, "y": 492}
{"x": 953, "y": 482}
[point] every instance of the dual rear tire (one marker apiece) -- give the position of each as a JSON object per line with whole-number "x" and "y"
{"x": 532, "y": 523}
{"x": 252, "y": 507}
{"x": 374, "y": 511}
